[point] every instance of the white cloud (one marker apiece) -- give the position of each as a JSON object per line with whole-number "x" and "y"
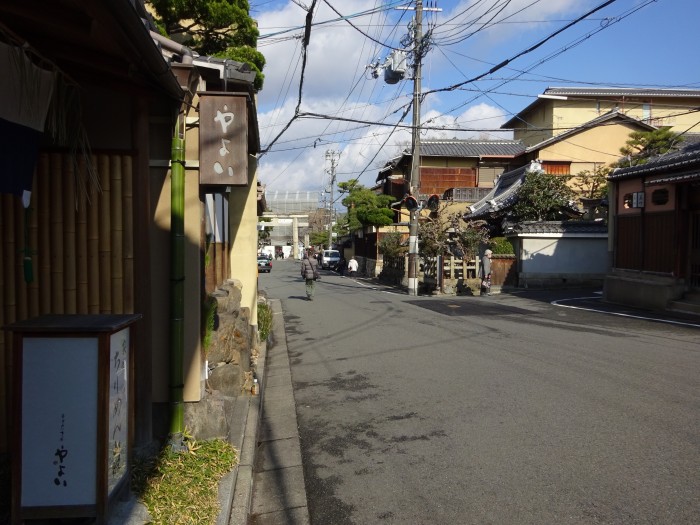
{"x": 337, "y": 82}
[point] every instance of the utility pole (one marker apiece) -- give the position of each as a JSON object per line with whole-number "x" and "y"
{"x": 332, "y": 156}
{"x": 414, "y": 183}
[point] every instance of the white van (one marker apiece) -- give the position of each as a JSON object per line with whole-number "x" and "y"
{"x": 330, "y": 259}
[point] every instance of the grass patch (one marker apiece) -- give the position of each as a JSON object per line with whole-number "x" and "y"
{"x": 183, "y": 488}
{"x": 264, "y": 321}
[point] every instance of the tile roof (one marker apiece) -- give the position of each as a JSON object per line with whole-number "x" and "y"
{"x": 620, "y": 92}
{"x": 471, "y": 148}
{"x": 558, "y": 227}
{"x": 458, "y": 148}
{"x": 503, "y": 194}
{"x": 679, "y": 164}
{"x": 613, "y": 92}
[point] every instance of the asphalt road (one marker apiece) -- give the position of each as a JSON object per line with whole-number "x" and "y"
{"x": 490, "y": 410}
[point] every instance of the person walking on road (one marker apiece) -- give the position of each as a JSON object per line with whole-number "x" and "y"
{"x": 485, "y": 273}
{"x": 352, "y": 267}
{"x": 309, "y": 271}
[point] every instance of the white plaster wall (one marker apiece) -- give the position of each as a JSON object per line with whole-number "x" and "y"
{"x": 557, "y": 255}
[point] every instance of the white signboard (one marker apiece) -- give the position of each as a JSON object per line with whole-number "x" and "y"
{"x": 59, "y": 421}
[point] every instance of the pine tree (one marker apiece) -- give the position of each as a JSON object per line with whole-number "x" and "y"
{"x": 218, "y": 28}
{"x": 643, "y": 145}
{"x": 365, "y": 208}
{"x": 543, "y": 197}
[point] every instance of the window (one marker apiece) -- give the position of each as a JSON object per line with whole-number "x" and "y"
{"x": 627, "y": 200}
{"x": 659, "y": 197}
{"x": 556, "y": 168}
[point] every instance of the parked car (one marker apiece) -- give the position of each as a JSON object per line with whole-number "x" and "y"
{"x": 264, "y": 264}
{"x": 330, "y": 259}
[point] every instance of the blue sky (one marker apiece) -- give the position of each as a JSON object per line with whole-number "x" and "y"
{"x": 628, "y": 43}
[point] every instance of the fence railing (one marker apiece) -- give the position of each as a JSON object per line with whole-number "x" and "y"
{"x": 452, "y": 268}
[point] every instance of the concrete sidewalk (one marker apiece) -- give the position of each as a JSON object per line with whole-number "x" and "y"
{"x": 268, "y": 485}
{"x": 279, "y": 493}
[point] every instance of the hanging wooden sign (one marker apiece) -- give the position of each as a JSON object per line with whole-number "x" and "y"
{"x": 223, "y": 139}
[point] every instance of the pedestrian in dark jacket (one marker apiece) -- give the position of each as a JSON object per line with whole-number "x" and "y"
{"x": 309, "y": 271}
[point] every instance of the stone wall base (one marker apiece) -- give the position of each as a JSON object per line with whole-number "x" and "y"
{"x": 642, "y": 290}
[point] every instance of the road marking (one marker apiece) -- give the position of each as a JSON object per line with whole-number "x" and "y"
{"x": 620, "y": 314}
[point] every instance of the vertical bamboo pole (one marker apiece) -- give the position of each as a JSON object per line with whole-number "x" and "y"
{"x": 43, "y": 255}
{"x": 18, "y": 258}
{"x": 128, "y": 218}
{"x": 116, "y": 234}
{"x": 81, "y": 255}
{"x": 8, "y": 219}
{"x": 32, "y": 240}
{"x": 3, "y": 258}
{"x": 70, "y": 285}
{"x": 93, "y": 246}
{"x": 56, "y": 239}
{"x": 6, "y": 276}
{"x": 6, "y": 339}
{"x": 177, "y": 287}
{"x": 105, "y": 243}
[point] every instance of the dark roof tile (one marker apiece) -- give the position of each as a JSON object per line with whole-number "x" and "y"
{"x": 680, "y": 162}
{"x": 471, "y": 148}
{"x": 617, "y": 92}
{"x": 558, "y": 227}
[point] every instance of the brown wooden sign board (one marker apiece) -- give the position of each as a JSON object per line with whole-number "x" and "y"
{"x": 223, "y": 140}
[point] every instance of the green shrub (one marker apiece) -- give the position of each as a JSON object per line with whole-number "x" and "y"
{"x": 391, "y": 244}
{"x": 264, "y": 321}
{"x": 501, "y": 246}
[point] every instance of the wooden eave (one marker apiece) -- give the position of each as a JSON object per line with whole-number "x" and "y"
{"x": 105, "y": 41}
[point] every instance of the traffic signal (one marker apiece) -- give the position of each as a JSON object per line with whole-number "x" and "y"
{"x": 411, "y": 203}
{"x": 433, "y": 202}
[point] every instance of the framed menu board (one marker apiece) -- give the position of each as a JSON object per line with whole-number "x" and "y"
{"x": 72, "y": 414}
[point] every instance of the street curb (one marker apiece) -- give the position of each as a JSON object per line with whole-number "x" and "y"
{"x": 236, "y": 488}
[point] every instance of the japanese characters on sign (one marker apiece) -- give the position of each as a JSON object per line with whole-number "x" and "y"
{"x": 118, "y": 408}
{"x": 61, "y": 453}
{"x": 223, "y": 140}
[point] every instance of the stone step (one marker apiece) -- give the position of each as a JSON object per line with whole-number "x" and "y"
{"x": 686, "y": 306}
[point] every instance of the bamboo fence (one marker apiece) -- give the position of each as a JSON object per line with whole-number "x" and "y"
{"x": 70, "y": 252}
